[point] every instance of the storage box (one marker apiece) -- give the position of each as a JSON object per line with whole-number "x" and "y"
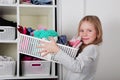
{"x": 7, "y": 1}
{"x": 7, "y": 68}
{"x": 36, "y": 68}
{"x": 7, "y": 33}
{"x": 28, "y": 45}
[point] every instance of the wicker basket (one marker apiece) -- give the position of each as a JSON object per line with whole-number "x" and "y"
{"x": 28, "y": 45}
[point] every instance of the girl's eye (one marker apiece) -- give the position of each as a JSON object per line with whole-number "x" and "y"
{"x": 90, "y": 30}
{"x": 81, "y": 30}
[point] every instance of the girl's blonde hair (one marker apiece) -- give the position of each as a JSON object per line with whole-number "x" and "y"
{"x": 98, "y": 27}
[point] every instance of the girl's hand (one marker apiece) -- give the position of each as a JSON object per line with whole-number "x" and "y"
{"x": 48, "y": 47}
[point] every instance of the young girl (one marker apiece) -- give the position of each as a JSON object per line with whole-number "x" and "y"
{"x": 83, "y": 67}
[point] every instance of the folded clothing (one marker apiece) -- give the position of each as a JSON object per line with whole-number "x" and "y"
{"x": 45, "y": 34}
{"x": 6, "y": 58}
{"x": 4, "y": 22}
{"x": 75, "y": 42}
{"x": 41, "y": 2}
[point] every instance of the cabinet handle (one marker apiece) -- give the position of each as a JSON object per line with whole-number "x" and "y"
{"x": 1, "y": 30}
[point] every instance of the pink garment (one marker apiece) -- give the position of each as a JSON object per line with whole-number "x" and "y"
{"x": 75, "y": 41}
{"x": 24, "y": 30}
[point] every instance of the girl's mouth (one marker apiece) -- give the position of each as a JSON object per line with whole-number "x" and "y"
{"x": 85, "y": 39}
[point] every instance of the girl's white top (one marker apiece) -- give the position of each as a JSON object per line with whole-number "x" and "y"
{"x": 83, "y": 67}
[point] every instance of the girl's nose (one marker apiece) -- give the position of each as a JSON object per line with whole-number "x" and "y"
{"x": 85, "y": 33}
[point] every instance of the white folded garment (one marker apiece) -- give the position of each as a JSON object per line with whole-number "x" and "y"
{"x": 6, "y": 58}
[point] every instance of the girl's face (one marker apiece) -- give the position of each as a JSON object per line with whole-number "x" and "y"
{"x": 87, "y": 32}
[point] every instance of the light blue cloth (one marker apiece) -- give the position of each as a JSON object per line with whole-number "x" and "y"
{"x": 45, "y": 34}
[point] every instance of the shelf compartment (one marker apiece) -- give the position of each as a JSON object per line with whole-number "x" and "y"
{"x": 8, "y": 14}
{"x": 8, "y": 10}
{"x": 9, "y": 49}
{"x": 34, "y": 16}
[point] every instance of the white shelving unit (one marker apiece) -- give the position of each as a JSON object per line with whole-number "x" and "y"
{"x": 28, "y": 15}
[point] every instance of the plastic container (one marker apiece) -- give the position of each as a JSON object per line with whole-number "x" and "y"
{"x": 7, "y": 68}
{"x": 38, "y": 68}
{"x": 7, "y": 1}
{"x": 7, "y": 33}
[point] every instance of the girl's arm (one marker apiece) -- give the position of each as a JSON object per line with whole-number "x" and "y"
{"x": 84, "y": 59}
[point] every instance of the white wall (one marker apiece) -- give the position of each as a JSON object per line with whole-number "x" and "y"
{"x": 108, "y": 11}
{"x": 72, "y": 12}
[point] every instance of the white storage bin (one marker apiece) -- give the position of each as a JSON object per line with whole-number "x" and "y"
{"x": 28, "y": 45}
{"x": 7, "y": 33}
{"x": 7, "y": 1}
{"x": 36, "y": 68}
{"x": 7, "y": 68}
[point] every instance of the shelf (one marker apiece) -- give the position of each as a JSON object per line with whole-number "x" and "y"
{"x": 8, "y": 41}
{"x": 9, "y": 5}
{"x": 29, "y": 77}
